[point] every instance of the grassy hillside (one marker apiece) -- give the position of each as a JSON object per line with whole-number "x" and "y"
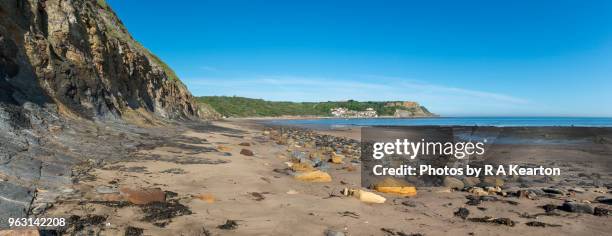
{"x": 248, "y": 107}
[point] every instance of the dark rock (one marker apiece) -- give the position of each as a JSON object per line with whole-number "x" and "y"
{"x": 554, "y": 191}
{"x": 540, "y": 224}
{"x": 604, "y": 200}
{"x": 462, "y": 212}
{"x": 247, "y": 152}
{"x": 133, "y": 231}
{"x": 229, "y": 225}
{"x": 409, "y": 203}
{"x": 159, "y": 211}
{"x": 549, "y": 207}
{"x": 600, "y": 211}
{"x": 577, "y": 207}
{"x": 78, "y": 223}
{"x": 176, "y": 171}
{"x": 491, "y": 220}
{"x": 245, "y": 144}
{"x": 170, "y": 194}
{"x": 258, "y": 196}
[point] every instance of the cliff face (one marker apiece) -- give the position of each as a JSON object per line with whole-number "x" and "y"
{"x": 409, "y": 109}
{"x": 77, "y": 57}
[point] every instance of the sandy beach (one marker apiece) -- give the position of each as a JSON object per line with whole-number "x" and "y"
{"x": 232, "y": 178}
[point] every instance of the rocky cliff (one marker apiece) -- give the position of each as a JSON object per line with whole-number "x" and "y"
{"x": 76, "y": 56}
{"x": 65, "y": 65}
{"x": 409, "y": 109}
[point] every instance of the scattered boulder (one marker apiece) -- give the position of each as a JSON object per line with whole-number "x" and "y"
{"x": 133, "y": 231}
{"x": 395, "y": 186}
{"x": 462, "y": 212}
{"x": 364, "y": 196}
{"x": 600, "y": 211}
{"x": 229, "y": 225}
{"x": 549, "y": 207}
{"x": 163, "y": 211}
{"x": 540, "y": 224}
{"x": 491, "y": 181}
{"x": 604, "y": 200}
{"x": 470, "y": 181}
{"x": 577, "y": 207}
{"x": 478, "y": 191}
{"x": 247, "y": 152}
{"x": 336, "y": 158}
{"x": 526, "y": 194}
{"x": 313, "y": 176}
{"x": 300, "y": 166}
{"x": 554, "y": 191}
{"x": 453, "y": 183}
{"x": 491, "y": 220}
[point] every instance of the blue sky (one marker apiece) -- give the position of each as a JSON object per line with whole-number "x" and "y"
{"x": 458, "y": 58}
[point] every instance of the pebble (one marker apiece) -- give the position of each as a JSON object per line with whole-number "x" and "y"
{"x": 247, "y": 152}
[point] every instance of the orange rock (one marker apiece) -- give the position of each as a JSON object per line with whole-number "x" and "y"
{"x": 143, "y": 196}
{"x": 314, "y": 176}
{"x": 395, "y": 186}
{"x": 209, "y": 198}
{"x": 223, "y": 148}
{"x": 301, "y": 167}
{"x": 336, "y": 158}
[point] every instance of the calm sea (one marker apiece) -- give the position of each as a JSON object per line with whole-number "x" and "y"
{"x": 451, "y": 121}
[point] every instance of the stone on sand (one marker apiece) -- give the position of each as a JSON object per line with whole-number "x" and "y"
{"x": 143, "y": 196}
{"x": 313, "y": 176}
{"x": 336, "y": 158}
{"x": 577, "y": 207}
{"x": 247, "y": 152}
{"x": 206, "y": 197}
{"x": 224, "y": 148}
{"x": 453, "y": 183}
{"x": 395, "y": 186}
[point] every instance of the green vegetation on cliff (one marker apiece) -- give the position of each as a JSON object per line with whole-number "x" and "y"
{"x": 249, "y": 107}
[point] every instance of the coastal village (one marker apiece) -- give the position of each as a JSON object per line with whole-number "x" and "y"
{"x": 403, "y": 109}
{"x": 341, "y": 112}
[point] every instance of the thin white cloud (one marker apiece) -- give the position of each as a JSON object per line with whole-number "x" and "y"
{"x": 441, "y": 99}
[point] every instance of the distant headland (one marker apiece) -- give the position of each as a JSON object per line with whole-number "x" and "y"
{"x": 232, "y": 106}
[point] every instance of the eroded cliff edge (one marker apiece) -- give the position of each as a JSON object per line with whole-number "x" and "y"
{"x": 70, "y": 77}
{"x": 77, "y": 55}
